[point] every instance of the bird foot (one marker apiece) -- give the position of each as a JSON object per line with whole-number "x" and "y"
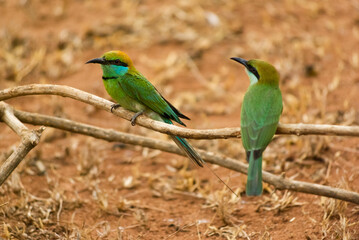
{"x": 133, "y": 119}
{"x": 114, "y": 106}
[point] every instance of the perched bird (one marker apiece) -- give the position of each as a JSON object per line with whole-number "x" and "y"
{"x": 261, "y": 109}
{"x": 132, "y": 91}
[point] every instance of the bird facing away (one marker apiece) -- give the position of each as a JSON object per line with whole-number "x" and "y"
{"x": 261, "y": 109}
{"x": 132, "y": 91}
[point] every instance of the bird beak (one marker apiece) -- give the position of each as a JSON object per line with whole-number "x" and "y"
{"x": 96, "y": 60}
{"x": 241, "y": 61}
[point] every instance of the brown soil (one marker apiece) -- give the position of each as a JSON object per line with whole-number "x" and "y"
{"x": 92, "y": 189}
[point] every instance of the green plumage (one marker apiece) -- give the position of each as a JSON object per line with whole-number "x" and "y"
{"x": 132, "y": 91}
{"x": 141, "y": 91}
{"x": 261, "y": 109}
{"x": 254, "y": 179}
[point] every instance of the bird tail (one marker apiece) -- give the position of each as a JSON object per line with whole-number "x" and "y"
{"x": 186, "y": 147}
{"x": 254, "y": 179}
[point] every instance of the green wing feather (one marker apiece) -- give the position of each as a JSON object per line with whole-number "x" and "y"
{"x": 261, "y": 109}
{"x": 140, "y": 89}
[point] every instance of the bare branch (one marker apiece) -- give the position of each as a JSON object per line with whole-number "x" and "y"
{"x": 65, "y": 91}
{"x": 29, "y": 139}
{"x": 111, "y": 135}
{"x": 8, "y": 117}
{"x": 318, "y": 129}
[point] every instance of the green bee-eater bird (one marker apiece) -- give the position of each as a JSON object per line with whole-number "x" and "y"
{"x": 132, "y": 91}
{"x": 261, "y": 109}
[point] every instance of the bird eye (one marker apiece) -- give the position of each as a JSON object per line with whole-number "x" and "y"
{"x": 253, "y": 70}
{"x": 250, "y": 68}
{"x": 122, "y": 63}
{"x": 117, "y": 62}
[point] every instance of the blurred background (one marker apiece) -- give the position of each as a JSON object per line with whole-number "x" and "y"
{"x": 73, "y": 186}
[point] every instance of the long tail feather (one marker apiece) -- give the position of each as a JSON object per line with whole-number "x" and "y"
{"x": 188, "y": 149}
{"x": 254, "y": 179}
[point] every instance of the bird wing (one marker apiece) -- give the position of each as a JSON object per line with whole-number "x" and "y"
{"x": 261, "y": 109}
{"x": 140, "y": 89}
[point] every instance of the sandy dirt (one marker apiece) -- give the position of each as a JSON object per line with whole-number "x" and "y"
{"x": 76, "y": 187}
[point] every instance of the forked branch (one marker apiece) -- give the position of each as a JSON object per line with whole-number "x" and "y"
{"x": 29, "y": 139}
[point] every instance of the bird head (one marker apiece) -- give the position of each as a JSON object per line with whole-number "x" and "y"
{"x": 114, "y": 63}
{"x": 259, "y": 71}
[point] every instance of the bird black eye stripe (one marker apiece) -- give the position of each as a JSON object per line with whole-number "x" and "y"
{"x": 253, "y": 70}
{"x": 116, "y": 62}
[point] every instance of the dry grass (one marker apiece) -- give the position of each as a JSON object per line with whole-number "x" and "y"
{"x": 224, "y": 203}
{"x": 279, "y": 204}
{"x": 228, "y": 232}
{"x": 335, "y": 223}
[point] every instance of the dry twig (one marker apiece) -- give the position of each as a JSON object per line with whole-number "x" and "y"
{"x": 65, "y": 91}
{"x": 29, "y": 139}
{"x": 111, "y": 135}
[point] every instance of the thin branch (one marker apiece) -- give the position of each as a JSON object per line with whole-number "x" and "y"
{"x": 111, "y": 135}
{"x": 65, "y": 91}
{"x": 318, "y": 129}
{"x": 29, "y": 139}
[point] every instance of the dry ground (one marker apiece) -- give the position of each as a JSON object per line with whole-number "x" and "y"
{"x": 77, "y": 187}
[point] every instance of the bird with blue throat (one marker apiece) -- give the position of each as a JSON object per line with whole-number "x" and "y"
{"x": 132, "y": 91}
{"x": 261, "y": 109}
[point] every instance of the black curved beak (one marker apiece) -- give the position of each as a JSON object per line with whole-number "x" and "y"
{"x": 96, "y": 60}
{"x": 241, "y": 61}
